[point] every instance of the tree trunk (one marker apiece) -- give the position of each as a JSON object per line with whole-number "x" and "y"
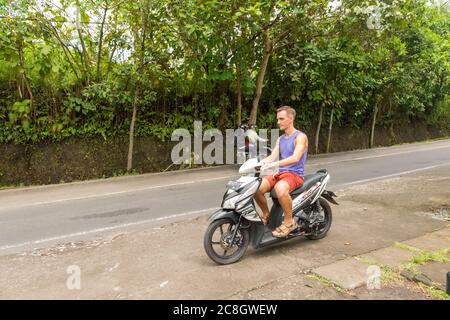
{"x": 83, "y": 46}
{"x": 374, "y": 120}
{"x": 270, "y": 80}
{"x": 108, "y": 70}
{"x": 223, "y": 102}
{"x": 100, "y": 43}
{"x": 239, "y": 97}
{"x": 25, "y": 82}
{"x": 392, "y": 119}
{"x": 69, "y": 56}
{"x": 223, "y": 107}
{"x": 316, "y": 143}
{"x": 329, "y": 130}
{"x": 235, "y": 7}
{"x": 268, "y": 47}
{"x": 391, "y": 131}
{"x": 139, "y": 60}
{"x": 133, "y": 121}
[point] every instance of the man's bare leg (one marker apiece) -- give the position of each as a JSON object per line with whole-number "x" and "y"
{"x": 261, "y": 198}
{"x": 285, "y": 200}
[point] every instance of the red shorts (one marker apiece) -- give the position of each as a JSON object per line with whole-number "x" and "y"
{"x": 294, "y": 180}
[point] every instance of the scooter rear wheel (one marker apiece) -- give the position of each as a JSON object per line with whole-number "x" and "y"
{"x": 217, "y": 242}
{"x": 326, "y": 225}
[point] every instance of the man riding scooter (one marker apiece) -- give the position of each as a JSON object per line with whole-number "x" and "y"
{"x": 288, "y": 157}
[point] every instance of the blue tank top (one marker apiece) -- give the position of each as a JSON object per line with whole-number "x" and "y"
{"x": 287, "y": 146}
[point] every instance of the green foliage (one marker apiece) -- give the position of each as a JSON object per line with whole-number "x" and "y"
{"x": 179, "y": 61}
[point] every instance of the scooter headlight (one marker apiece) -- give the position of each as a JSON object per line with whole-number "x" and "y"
{"x": 234, "y": 185}
{"x": 231, "y": 202}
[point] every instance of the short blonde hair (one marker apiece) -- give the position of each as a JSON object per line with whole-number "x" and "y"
{"x": 289, "y": 110}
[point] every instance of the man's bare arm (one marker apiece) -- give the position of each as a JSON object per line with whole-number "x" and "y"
{"x": 301, "y": 145}
{"x": 274, "y": 155}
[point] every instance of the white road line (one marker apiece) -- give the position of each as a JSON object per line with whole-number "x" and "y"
{"x": 391, "y": 175}
{"x": 438, "y": 179}
{"x": 379, "y": 156}
{"x": 204, "y": 180}
{"x": 119, "y": 192}
{"x": 99, "y": 230}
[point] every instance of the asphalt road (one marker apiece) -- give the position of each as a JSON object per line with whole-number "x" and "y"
{"x": 43, "y": 216}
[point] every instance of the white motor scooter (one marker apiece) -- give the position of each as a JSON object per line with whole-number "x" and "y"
{"x": 237, "y": 223}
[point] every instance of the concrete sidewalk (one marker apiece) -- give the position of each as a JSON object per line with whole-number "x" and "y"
{"x": 398, "y": 225}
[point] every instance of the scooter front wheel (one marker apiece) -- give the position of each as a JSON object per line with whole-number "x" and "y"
{"x": 217, "y": 241}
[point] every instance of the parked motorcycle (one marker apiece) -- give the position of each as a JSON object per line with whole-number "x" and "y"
{"x": 237, "y": 223}
{"x": 251, "y": 138}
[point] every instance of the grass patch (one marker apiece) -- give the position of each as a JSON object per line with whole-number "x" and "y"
{"x": 407, "y": 247}
{"x": 388, "y": 275}
{"x": 324, "y": 281}
{"x": 439, "y": 256}
{"x": 434, "y": 292}
{"x": 425, "y": 257}
{"x": 392, "y": 275}
{"x": 366, "y": 260}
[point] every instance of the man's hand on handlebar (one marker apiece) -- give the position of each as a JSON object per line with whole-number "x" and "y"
{"x": 268, "y": 165}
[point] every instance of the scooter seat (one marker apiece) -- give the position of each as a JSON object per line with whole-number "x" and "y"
{"x": 309, "y": 180}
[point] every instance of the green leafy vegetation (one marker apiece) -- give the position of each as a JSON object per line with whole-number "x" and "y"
{"x": 144, "y": 68}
